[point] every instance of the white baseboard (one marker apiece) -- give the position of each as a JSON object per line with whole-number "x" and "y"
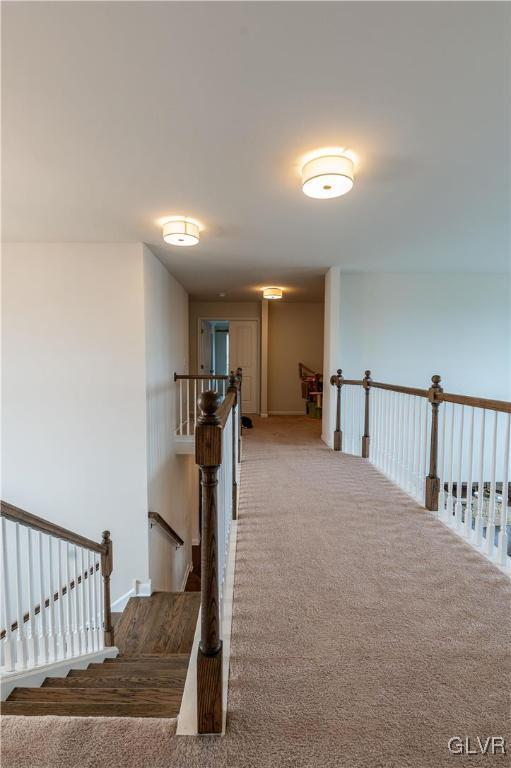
{"x": 263, "y": 415}
{"x": 139, "y": 589}
{"x": 196, "y": 542}
{"x": 187, "y": 718}
{"x": 33, "y": 678}
{"x": 287, "y": 413}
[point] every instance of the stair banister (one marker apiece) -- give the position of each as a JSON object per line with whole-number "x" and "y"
{"x": 429, "y": 453}
{"x": 81, "y": 622}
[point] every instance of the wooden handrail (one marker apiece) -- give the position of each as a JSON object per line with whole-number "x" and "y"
{"x": 63, "y": 591}
{"x": 157, "y": 519}
{"x": 477, "y": 402}
{"x": 205, "y": 377}
{"x": 40, "y": 524}
{"x": 503, "y": 406}
{"x": 225, "y": 407}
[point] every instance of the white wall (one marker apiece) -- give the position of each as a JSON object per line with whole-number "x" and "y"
{"x": 170, "y": 476}
{"x": 406, "y": 327}
{"x": 73, "y": 396}
{"x": 331, "y": 350}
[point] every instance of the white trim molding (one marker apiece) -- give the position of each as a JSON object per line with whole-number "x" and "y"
{"x": 139, "y": 589}
{"x": 34, "y": 678}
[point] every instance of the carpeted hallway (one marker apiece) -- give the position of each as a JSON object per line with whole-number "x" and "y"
{"x": 365, "y": 633}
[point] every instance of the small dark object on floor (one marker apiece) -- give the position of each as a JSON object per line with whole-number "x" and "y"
{"x": 246, "y": 422}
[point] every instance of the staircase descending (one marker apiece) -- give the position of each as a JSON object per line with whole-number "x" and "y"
{"x": 154, "y": 636}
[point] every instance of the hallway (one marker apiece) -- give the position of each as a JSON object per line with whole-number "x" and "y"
{"x": 365, "y": 633}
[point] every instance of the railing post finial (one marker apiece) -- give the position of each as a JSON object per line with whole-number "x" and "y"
{"x": 208, "y": 403}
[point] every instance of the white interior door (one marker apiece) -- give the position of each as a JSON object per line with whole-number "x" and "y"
{"x": 206, "y": 362}
{"x": 243, "y": 353}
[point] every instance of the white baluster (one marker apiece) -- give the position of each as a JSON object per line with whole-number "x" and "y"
{"x": 83, "y": 604}
{"x": 92, "y": 599}
{"x": 88, "y": 596}
{"x": 9, "y": 650}
{"x": 100, "y": 607}
{"x": 194, "y": 404}
{"x": 402, "y": 440}
{"x": 77, "y": 648}
{"x": 44, "y": 646}
{"x": 52, "y": 634}
{"x": 95, "y": 601}
{"x": 188, "y": 406}
{"x": 180, "y": 429}
{"x": 69, "y": 623}
{"x": 60, "y": 604}
{"x": 490, "y": 524}
{"x": 503, "y": 534}
{"x": 441, "y": 465}
{"x": 478, "y": 534}
{"x": 21, "y": 645}
{"x": 425, "y": 437}
{"x": 458, "y": 507}
{"x": 470, "y": 462}
{"x": 418, "y": 468}
{"x": 450, "y": 471}
{"x": 31, "y": 625}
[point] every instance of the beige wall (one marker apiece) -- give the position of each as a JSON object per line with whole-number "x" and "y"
{"x": 295, "y": 335}
{"x": 217, "y": 310}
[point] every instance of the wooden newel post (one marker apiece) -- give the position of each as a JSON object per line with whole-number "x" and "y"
{"x": 432, "y": 480}
{"x": 337, "y": 381}
{"x": 233, "y": 387}
{"x": 106, "y": 571}
{"x": 366, "y": 383}
{"x": 208, "y": 455}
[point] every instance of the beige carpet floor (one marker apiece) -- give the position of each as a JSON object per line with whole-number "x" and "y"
{"x": 365, "y": 633}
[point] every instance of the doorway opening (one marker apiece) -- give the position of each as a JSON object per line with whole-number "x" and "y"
{"x": 225, "y": 345}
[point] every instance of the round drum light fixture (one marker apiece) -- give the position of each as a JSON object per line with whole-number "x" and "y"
{"x": 272, "y": 293}
{"x": 181, "y": 230}
{"x": 327, "y": 174}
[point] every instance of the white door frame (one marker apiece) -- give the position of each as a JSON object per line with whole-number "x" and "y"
{"x": 258, "y": 345}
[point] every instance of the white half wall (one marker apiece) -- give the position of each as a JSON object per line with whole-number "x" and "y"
{"x": 73, "y": 393}
{"x": 171, "y": 478}
{"x": 406, "y": 327}
{"x": 331, "y": 349}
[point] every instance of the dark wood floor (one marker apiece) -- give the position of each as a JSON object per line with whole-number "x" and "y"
{"x": 154, "y": 636}
{"x": 193, "y": 581}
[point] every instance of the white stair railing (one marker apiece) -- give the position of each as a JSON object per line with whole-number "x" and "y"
{"x": 188, "y": 390}
{"x": 450, "y": 452}
{"x": 55, "y": 592}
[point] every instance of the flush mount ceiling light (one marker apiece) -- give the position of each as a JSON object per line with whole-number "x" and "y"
{"x": 272, "y": 293}
{"x": 181, "y": 230}
{"x": 327, "y": 173}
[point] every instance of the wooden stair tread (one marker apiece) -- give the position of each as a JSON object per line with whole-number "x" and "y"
{"x": 162, "y": 623}
{"x": 121, "y": 680}
{"x": 112, "y": 695}
{"x": 118, "y": 670}
{"x": 161, "y": 658}
{"x": 85, "y": 708}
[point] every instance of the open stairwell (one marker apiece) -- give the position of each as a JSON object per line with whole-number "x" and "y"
{"x": 154, "y": 636}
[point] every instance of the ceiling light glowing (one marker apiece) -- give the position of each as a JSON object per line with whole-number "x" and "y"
{"x": 327, "y": 173}
{"x": 272, "y": 293}
{"x": 181, "y": 230}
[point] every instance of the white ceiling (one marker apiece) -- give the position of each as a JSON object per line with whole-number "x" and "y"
{"x": 115, "y": 114}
